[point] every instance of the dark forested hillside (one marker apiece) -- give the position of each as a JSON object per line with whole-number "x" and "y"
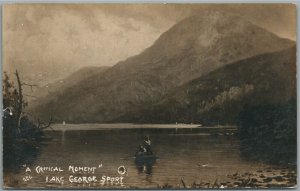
{"x": 218, "y": 97}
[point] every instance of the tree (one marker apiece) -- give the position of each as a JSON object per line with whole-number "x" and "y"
{"x": 21, "y": 137}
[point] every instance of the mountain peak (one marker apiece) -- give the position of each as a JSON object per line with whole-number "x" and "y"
{"x": 212, "y": 29}
{"x": 190, "y": 49}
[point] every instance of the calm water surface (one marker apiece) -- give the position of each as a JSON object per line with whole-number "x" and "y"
{"x": 190, "y": 154}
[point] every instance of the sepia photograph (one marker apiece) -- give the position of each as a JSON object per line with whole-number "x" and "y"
{"x": 149, "y": 96}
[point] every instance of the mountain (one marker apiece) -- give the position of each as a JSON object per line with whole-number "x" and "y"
{"x": 190, "y": 49}
{"x": 52, "y": 90}
{"x": 219, "y": 97}
{"x": 76, "y": 77}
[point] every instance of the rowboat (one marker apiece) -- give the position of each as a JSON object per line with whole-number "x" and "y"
{"x": 143, "y": 159}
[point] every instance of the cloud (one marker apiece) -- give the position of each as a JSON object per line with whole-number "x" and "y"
{"x": 49, "y": 41}
{"x": 63, "y": 40}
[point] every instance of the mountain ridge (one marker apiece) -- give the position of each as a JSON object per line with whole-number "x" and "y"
{"x": 264, "y": 79}
{"x": 179, "y": 55}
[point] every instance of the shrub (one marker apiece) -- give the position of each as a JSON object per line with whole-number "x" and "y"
{"x": 269, "y": 132}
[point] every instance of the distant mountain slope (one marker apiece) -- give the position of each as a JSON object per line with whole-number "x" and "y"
{"x": 78, "y": 76}
{"x": 48, "y": 92}
{"x": 218, "y": 97}
{"x": 192, "y": 48}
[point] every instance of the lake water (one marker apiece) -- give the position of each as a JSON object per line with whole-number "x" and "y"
{"x": 194, "y": 154}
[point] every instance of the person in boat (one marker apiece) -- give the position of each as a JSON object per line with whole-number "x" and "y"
{"x": 147, "y": 145}
{"x": 140, "y": 150}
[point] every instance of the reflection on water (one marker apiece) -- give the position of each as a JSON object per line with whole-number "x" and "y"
{"x": 144, "y": 165}
{"x": 190, "y": 155}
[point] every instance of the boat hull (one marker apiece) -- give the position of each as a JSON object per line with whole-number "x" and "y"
{"x": 141, "y": 160}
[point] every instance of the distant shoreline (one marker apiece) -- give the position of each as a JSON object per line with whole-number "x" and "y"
{"x": 93, "y": 126}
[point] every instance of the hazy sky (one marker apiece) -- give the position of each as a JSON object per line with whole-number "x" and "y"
{"x": 48, "y": 41}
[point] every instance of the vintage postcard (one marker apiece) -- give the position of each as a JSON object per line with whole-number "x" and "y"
{"x": 159, "y": 96}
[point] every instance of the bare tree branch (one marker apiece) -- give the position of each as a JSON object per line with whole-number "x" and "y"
{"x": 42, "y": 125}
{"x": 30, "y": 85}
{"x": 30, "y": 95}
